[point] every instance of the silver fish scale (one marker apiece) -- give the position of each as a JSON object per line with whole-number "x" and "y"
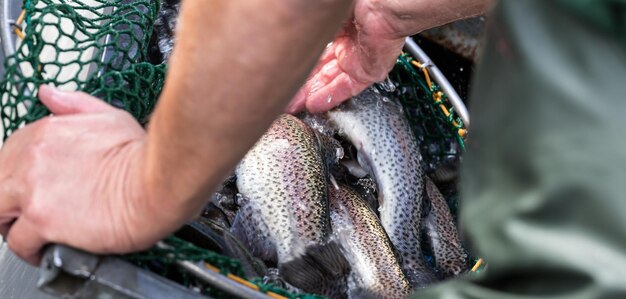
{"x": 285, "y": 181}
{"x": 384, "y": 140}
{"x": 366, "y": 246}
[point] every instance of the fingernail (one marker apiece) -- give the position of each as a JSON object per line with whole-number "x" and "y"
{"x": 297, "y": 102}
{"x": 329, "y": 72}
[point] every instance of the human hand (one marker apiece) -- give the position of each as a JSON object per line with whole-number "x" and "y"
{"x": 362, "y": 53}
{"x": 75, "y": 179}
{"x": 367, "y": 47}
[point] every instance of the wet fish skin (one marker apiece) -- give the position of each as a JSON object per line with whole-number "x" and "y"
{"x": 284, "y": 178}
{"x": 376, "y": 272}
{"x": 450, "y": 257}
{"x": 388, "y": 150}
{"x": 163, "y": 32}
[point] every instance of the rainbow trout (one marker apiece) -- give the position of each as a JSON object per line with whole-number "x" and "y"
{"x": 285, "y": 215}
{"x": 449, "y": 254}
{"x": 376, "y": 272}
{"x": 388, "y": 151}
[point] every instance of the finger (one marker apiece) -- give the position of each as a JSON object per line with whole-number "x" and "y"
{"x": 25, "y": 241}
{"x": 334, "y": 93}
{"x": 70, "y": 102}
{"x": 297, "y": 103}
{"x": 313, "y": 82}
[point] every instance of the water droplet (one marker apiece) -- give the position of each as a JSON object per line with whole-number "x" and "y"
{"x": 386, "y": 99}
{"x": 240, "y": 199}
{"x": 315, "y": 86}
{"x": 387, "y": 85}
{"x": 329, "y": 99}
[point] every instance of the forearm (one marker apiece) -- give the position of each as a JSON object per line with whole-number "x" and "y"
{"x": 410, "y": 17}
{"x": 235, "y": 66}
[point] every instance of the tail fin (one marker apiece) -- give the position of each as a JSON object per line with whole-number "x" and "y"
{"x": 321, "y": 269}
{"x": 418, "y": 273}
{"x": 330, "y": 258}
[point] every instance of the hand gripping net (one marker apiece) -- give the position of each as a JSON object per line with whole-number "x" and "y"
{"x": 101, "y": 47}
{"x": 96, "y": 46}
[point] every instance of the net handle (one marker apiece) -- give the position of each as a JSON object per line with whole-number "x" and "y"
{"x": 6, "y": 38}
{"x": 8, "y": 46}
{"x": 442, "y": 81}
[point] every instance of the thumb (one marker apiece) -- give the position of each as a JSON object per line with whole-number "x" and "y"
{"x": 70, "y": 102}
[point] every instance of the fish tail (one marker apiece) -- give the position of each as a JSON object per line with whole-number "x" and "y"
{"x": 319, "y": 269}
{"x": 418, "y": 273}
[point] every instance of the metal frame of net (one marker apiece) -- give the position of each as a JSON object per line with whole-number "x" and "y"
{"x": 101, "y": 47}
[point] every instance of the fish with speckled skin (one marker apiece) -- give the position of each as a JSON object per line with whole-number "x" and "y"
{"x": 450, "y": 257}
{"x": 388, "y": 151}
{"x": 375, "y": 272}
{"x": 284, "y": 216}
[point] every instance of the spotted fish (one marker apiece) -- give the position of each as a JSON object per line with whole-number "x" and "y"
{"x": 285, "y": 212}
{"x": 450, "y": 256}
{"x": 375, "y": 272}
{"x": 388, "y": 151}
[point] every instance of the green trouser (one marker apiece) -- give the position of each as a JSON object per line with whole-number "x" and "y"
{"x": 544, "y": 180}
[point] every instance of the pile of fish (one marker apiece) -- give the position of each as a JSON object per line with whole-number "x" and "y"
{"x": 335, "y": 204}
{"x": 302, "y": 201}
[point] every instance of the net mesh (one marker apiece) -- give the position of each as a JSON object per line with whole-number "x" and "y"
{"x": 97, "y": 46}
{"x": 433, "y": 119}
{"x": 101, "y": 47}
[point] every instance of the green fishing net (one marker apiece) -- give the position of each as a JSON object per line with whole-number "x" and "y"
{"x": 101, "y": 47}
{"x": 97, "y": 46}
{"x": 440, "y": 131}
{"x": 161, "y": 260}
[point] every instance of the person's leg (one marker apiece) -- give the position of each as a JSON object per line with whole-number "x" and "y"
{"x": 544, "y": 180}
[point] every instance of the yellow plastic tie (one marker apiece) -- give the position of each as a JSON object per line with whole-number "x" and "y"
{"x": 20, "y": 19}
{"x": 479, "y": 263}
{"x": 17, "y": 29}
{"x": 18, "y": 32}
{"x": 438, "y": 96}
{"x": 425, "y": 71}
{"x": 243, "y": 281}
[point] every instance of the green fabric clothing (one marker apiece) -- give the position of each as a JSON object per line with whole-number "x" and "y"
{"x": 544, "y": 179}
{"x": 608, "y": 15}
